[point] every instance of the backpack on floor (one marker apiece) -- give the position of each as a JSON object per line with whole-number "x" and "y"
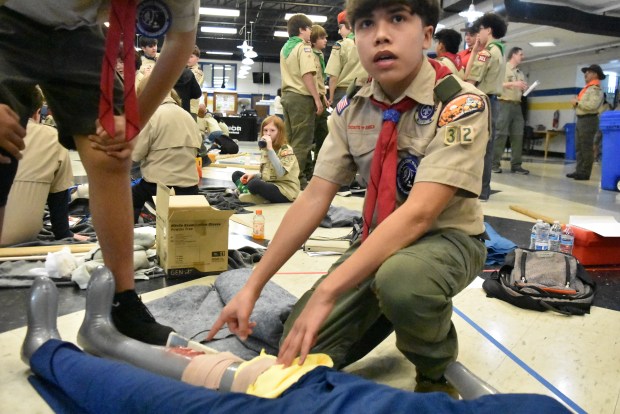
{"x": 543, "y": 280}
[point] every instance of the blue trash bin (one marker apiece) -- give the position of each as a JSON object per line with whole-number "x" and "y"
{"x": 571, "y": 149}
{"x": 610, "y": 167}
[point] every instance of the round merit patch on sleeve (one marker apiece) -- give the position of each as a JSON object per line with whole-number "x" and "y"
{"x": 461, "y": 107}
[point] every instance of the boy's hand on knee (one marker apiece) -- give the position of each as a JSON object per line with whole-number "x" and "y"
{"x": 11, "y": 134}
{"x": 117, "y": 146}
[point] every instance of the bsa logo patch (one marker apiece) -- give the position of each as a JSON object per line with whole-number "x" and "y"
{"x": 342, "y": 105}
{"x": 405, "y": 174}
{"x": 460, "y": 107}
{"x": 424, "y": 114}
{"x": 153, "y": 18}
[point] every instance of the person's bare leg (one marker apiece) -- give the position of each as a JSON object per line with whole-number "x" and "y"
{"x": 112, "y": 214}
{"x": 42, "y": 314}
{"x": 111, "y": 208}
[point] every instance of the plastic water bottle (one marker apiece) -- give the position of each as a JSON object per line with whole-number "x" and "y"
{"x": 542, "y": 236}
{"x": 567, "y": 240}
{"x": 533, "y": 234}
{"x": 258, "y": 226}
{"x": 554, "y": 236}
{"x": 243, "y": 189}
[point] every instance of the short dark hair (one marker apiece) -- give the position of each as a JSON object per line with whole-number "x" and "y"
{"x": 451, "y": 39}
{"x": 297, "y": 22}
{"x": 36, "y": 101}
{"x": 317, "y": 32}
{"x": 514, "y": 50}
{"x": 147, "y": 41}
{"x": 494, "y": 22}
{"x": 428, "y": 10}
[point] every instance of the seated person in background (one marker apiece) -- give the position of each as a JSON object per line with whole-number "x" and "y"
{"x": 44, "y": 173}
{"x": 166, "y": 148}
{"x": 220, "y": 140}
{"x": 278, "y": 180}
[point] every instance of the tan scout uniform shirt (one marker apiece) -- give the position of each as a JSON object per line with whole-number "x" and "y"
{"x": 288, "y": 184}
{"x": 450, "y": 65}
{"x": 488, "y": 70}
{"x": 298, "y": 63}
{"x": 167, "y": 147}
{"x": 344, "y": 63}
{"x": 200, "y": 78}
{"x": 320, "y": 80}
{"x": 448, "y": 140}
{"x": 591, "y": 101}
{"x": 45, "y": 169}
{"x": 512, "y": 75}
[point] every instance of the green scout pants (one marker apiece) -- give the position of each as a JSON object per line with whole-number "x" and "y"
{"x": 586, "y": 128}
{"x": 320, "y": 132}
{"x": 411, "y": 293}
{"x": 299, "y": 118}
{"x": 510, "y": 122}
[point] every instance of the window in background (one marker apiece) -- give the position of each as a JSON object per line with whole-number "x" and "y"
{"x": 219, "y": 76}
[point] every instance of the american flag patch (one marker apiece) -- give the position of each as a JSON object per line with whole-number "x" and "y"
{"x": 342, "y": 105}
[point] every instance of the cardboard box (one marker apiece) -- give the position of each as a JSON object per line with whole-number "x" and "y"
{"x": 192, "y": 236}
{"x": 597, "y": 240}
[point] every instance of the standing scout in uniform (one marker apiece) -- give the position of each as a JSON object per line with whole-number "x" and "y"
{"x": 423, "y": 224}
{"x": 510, "y": 121}
{"x": 344, "y": 64}
{"x": 277, "y": 181}
{"x": 318, "y": 39}
{"x": 192, "y": 64}
{"x": 486, "y": 70}
{"x": 448, "y": 42}
{"x": 148, "y": 57}
{"x": 587, "y": 105}
{"x": 73, "y": 87}
{"x": 470, "y": 31}
{"x": 300, "y": 99}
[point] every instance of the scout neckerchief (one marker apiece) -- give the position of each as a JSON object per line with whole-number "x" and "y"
{"x": 290, "y": 45}
{"x": 381, "y": 190}
{"x": 454, "y": 58}
{"x": 351, "y": 36}
{"x": 321, "y": 59}
{"x": 591, "y": 83}
{"x": 122, "y": 20}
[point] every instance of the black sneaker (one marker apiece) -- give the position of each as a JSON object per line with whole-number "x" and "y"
{"x": 425, "y": 384}
{"x": 133, "y": 319}
{"x": 571, "y": 175}
{"x": 520, "y": 170}
{"x": 497, "y": 170}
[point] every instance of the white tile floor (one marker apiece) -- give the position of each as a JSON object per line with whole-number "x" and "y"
{"x": 573, "y": 359}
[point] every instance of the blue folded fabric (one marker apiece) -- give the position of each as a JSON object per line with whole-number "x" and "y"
{"x": 497, "y": 246}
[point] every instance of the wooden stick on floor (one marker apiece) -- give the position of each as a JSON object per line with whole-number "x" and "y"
{"x": 42, "y": 250}
{"x": 531, "y": 214}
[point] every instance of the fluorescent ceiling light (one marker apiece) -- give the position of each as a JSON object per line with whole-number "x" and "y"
{"x": 313, "y": 17}
{"x": 210, "y": 11}
{"x": 471, "y": 14}
{"x": 223, "y": 30}
{"x": 543, "y": 43}
{"x": 280, "y": 33}
{"x": 218, "y": 52}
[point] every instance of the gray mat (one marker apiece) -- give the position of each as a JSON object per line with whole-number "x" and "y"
{"x": 192, "y": 311}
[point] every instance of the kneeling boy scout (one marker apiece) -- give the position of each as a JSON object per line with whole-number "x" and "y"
{"x": 414, "y": 258}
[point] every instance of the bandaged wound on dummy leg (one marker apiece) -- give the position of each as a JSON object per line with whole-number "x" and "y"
{"x": 98, "y": 336}
{"x": 42, "y": 314}
{"x": 225, "y": 371}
